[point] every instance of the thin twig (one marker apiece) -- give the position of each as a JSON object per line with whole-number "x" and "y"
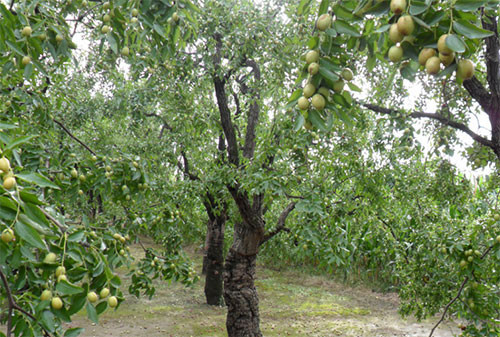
{"x": 73, "y": 136}
{"x": 458, "y": 295}
{"x": 62, "y": 228}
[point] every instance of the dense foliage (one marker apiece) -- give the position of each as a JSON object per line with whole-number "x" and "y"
{"x": 129, "y": 137}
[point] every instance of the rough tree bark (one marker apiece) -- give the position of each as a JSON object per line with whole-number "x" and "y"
{"x": 240, "y": 293}
{"x": 215, "y": 260}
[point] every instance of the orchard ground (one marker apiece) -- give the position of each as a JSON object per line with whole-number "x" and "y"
{"x": 292, "y": 303}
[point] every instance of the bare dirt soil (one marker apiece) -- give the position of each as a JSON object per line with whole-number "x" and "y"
{"x": 292, "y": 303}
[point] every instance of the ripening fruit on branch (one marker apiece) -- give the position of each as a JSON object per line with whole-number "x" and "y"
{"x": 62, "y": 278}
{"x": 465, "y": 69}
{"x": 92, "y": 297}
{"x": 406, "y": 26}
{"x": 9, "y": 183}
{"x": 105, "y": 29}
{"x": 74, "y": 173}
{"x": 398, "y": 6}
{"x": 498, "y": 239}
{"x": 395, "y": 53}
{"x": 7, "y": 235}
{"x": 325, "y": 92}
{"x": 112, "y": 301}
{"x": 26, "y": 31}
{"x": 175, "y": 17}
{"x": 425, "y": 54}
{"x": 56, "y": 303}
{"x": 446, "y": 59}
{"x": 4, "y": 164}
{"x": 432, "y": 66}
{"x": 347, "y": 74}
{"x": 106, "y": 6}
{"x": 338, "y": 86}
{"x": 125, "y": 51}
{"x": 104, "y": 293}
{"x": 324, "y": 22}
{"x": 50, "y": 258}
{"x": 312, "y": 56}
{"x": 46, "y": 295}
{"x": 59, "y": 38}
{"x": 318, "y": 102}
{"x": 60, "y": 271}
{"x": 309, "y": 90}
{"x": 303, "y": 103}
{"x": 26, "y": 60}
{"x": 135, "y": 12}
{"x": 313, "y": 68}
{"x": 442, "y": 47}
{"x": 394, "y": 34}
{"x": 106, "y": 18}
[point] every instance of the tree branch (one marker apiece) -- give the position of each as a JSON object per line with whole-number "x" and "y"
{"x": 454, "y": 299}
{"x": 225, "y": 113}
{"x": 281, "y": 223}
{"x": 253, "y": 113}
{"x": 13, "y": 305}
{"x": 492, "y": 56}
{"x": 73, "y": 136}
{"x": 456, "y": 125}
{"x": 449, "y": 304}
{"x": 62, "y": 228}
{"x": 479, "y": 93}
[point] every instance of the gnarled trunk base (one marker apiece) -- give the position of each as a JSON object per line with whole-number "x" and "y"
{"x": 241, "y": 296}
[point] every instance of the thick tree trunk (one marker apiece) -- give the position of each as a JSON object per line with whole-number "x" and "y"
{"x": 215, "y": 261}
{"x": 239, "y": 289}
{"x": 241, "y": 296}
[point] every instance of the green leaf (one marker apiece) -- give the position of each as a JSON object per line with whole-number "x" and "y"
{"x": 30, "y": 235}
{"x": 447, "y": 71}
{"x": 77, "y": 303}
{"x": 302, "y": 6}
{"x": 328, "y": 75}
{"x": 469, "y": 30}
{"x": 91, "y": 313}
{"x": 295, "y": 95}
{"x": 73, "y": 332}
{"x": 347, "y": 119}
{"x": 317, "y": 120}
{"x": 112, "y": 43}
{"x": 353, "y": 87}
{"x": 37, "y": 179}
{"x": 30, "y": 198}
{"x": 323, "y": 7}
{"x": 339, "y": 99}
{"x": 313, "y": 42}
{"x": 4, "y": 126}
{"x": 418, "y": 7}
{"x": 48, "y": 320}
{"x": 18, "y": 141}
{"x": 469, "y": 5}
{"x": 344, "y": 28}
{"x": 15, "y": 48}
{"x": 455, "y": 43}
{"x": 299, "y": 123}
{"x": 65, "y": 288}
{"x": 76, "y": 236}
{"x": 421, "y": 22}
{"x": 28, "y": 70}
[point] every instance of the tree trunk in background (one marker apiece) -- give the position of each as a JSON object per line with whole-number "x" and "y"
{"x": 205, "y": 250}
{"x": 215, "y": 260}
{"x": 239, "y": 289}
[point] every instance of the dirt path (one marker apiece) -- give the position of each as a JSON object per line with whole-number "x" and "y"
{"x": 291, "y": 304}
